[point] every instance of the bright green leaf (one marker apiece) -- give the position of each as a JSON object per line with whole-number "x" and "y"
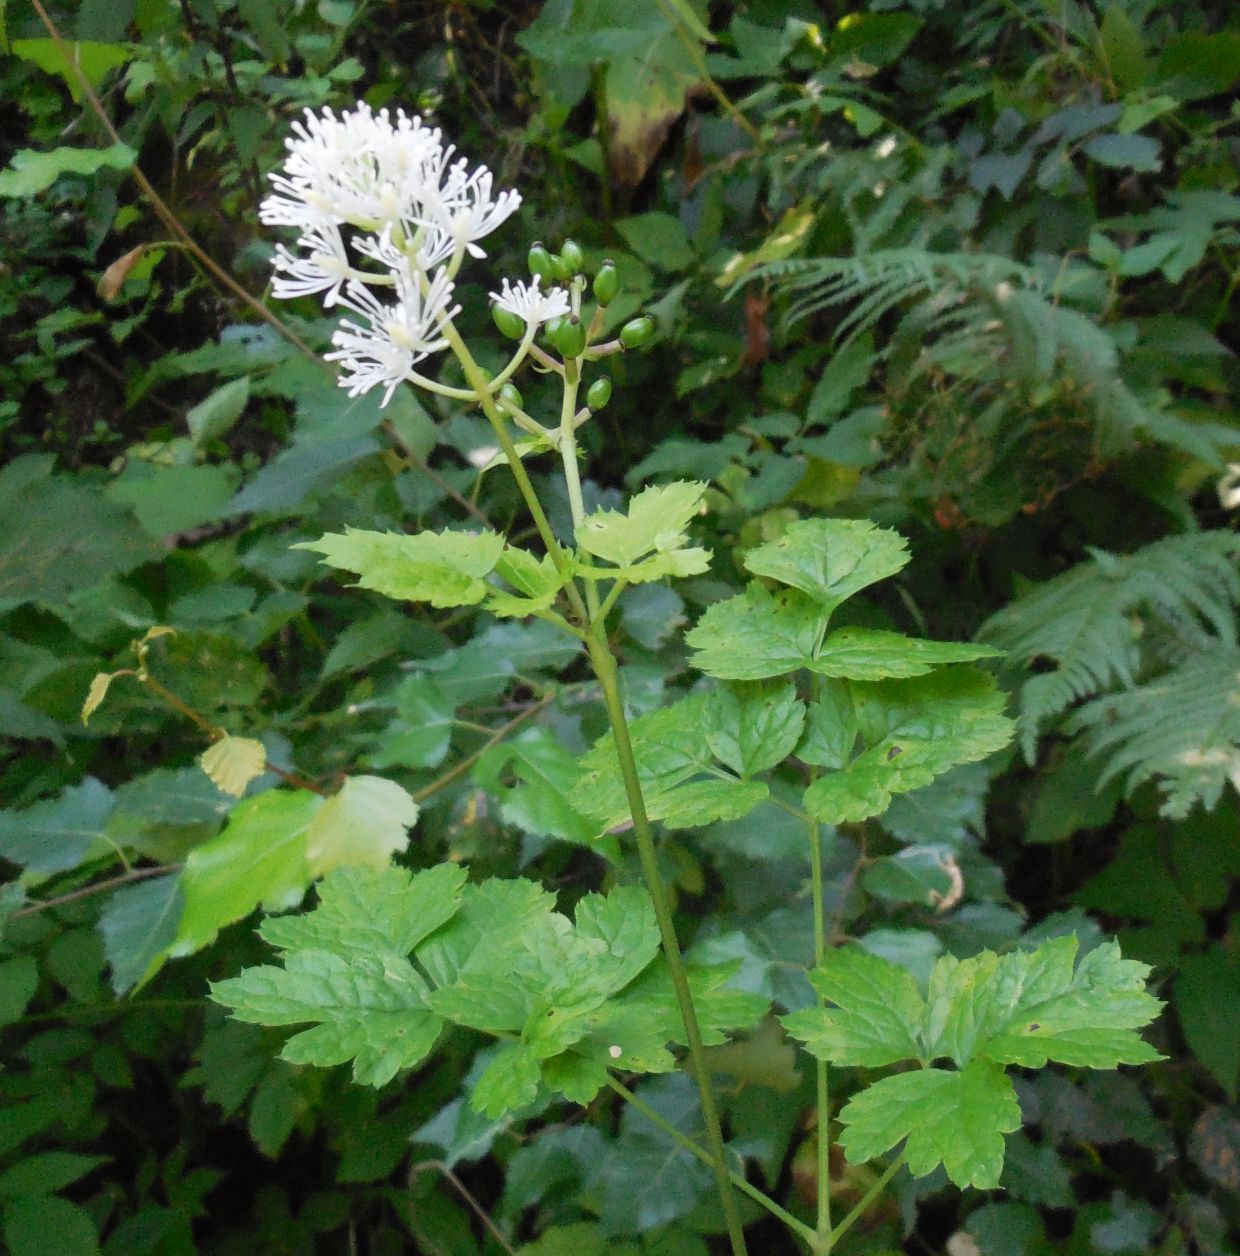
{"x": 954, "y": 1119}
{"x": 754, "y": 727}
{"x": 367, "y": 1009}
{"x": 260, "y": 857}
{"x": 371, "y": 911}
{"x": 830, "y": 559}
{"x": 32, "y": 172}
{"x": 366, "y": 822}
{"x": 656, "y": 520}
{"x": 873, "y": 654}
{"x": 755, "y": 635}
{"x": 915, "y": 730}
{"x": 509, "y": 1082}
{"x": 442, "y": 568}
{"x": 877, "y": 1014}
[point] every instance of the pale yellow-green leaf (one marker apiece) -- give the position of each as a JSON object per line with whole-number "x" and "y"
{"x": 97, "y": 692}
{"x": 233, "y": 762}
{"x": 365, "y": 823}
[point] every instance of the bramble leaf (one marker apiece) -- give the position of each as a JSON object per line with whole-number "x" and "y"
{"x": 655, "y": 521}
{"x": 830, "y": 559}
{"x": 949, "y": 1118}
{"x": 915, "y": 729}
{"x": 442, "y": 568}
{"x": 752, "y": 728}
{"x": 756, "y": 635}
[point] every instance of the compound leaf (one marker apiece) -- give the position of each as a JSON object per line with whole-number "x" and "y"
{"x": 830, "y": 559}
{"x": 1028, "y": 1008}
{"x": 371, "y": 911}
{"x": 876, "y": 1017}
{"x": 442, "y": 568}
{"x": 655, "y": 522}
{"x": 752, "y": 728}
{"x": 368, "y": 1009}
{"x": 874, "y": 654}
{"x": 914, "y": 729}
{"x": 756, "y": 635}
{"x": 954, "y": 1119}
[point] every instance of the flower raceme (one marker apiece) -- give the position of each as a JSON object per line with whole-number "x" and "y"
{"x": 385, "y": 209}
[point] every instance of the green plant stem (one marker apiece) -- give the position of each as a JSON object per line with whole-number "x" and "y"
{"x": 694, "y": 49}
{"x": 479, "y": 383}
{"x": 608, "y": 674}
{"x": 799, "y": 1228}
{"x": 572, "y": 472}
{"x": 826, "y": 1238}
{"x": 605, "y": 669}
{"x": 862, "y": 1206}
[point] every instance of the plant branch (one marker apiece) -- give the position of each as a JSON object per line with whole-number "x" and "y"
{"x": 799, "y": 1228}
{"x": 463, "y": 1191}
{"x": 861, "y": 1207}
{"x": 98, "y": 887}
{"x": 608, "y": 674}
{"x": 458, "y": 770}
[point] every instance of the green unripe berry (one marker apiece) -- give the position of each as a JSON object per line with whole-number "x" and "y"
{"x": 636, "y": 332}
{"x": 570, "y": 338}
{"x": 606, "y": 283}
{"x": 540, "y": 261}
{"x": 599, "y": 393}
{"x": 510, "y": 396}
{"x": 510, "y": 324}
{"x": 572, "y": 257}
{"x": 552, "y": 327}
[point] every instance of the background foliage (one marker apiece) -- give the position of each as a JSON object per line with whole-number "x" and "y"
{"x": 964, "y": 270}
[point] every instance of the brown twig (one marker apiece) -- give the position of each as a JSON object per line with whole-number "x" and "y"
{"x": 435, "y": 478}
{"x": 463, "y": 1191}
{"x": 87, "y": 891}
{"x": 459, "y": 769}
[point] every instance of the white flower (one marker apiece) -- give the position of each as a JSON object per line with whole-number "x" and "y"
{"x": 530, "y": 304}
{"x": 399, "y": 335}
{"x": 324, "y": 269}
{"x": 462, "y": 211}
{"x": 380, "y": 204}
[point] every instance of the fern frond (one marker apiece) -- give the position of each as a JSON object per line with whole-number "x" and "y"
{"x": 881, "y": 280}
{"x": 1182, "y": 728}
{"x": 1089, "y": 621}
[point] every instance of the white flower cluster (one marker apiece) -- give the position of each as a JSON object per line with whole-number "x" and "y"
{"x": 367, "y": 190}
